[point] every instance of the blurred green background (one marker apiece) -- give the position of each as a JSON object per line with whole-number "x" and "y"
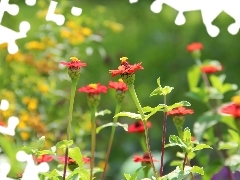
{"x": 125, "y": 29}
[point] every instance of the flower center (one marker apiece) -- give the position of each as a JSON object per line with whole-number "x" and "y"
{"x": 120, "y": 80}
{"x": 236, "y": 100}
{"x": 74, "y": 59}
{"x": 93, "y": 86}
{"x": 123, "y": 59}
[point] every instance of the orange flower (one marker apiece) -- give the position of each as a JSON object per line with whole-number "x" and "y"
{"x": 208, "y": 69}
{"x": 125, "y": 68}
{"x": 74, "y": 63}
{"x": 145, "y": 158}
{"x": 120, "y": 85}
{"x": 194, "y": 46}
{"x": 93, "y": 89}
{"x": 180, "y": 111}
{"x": 138, "y": 127}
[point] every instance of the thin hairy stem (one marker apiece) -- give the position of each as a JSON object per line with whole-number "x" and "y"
{"x": 118, "y": 107}
{"x": 93, "y": 140}
{"x": 163, "y": 139}
{"x": 73, "y": 89}
{"x": 137, "y": 103}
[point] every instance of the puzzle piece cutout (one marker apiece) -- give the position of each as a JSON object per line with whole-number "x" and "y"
{"x": 31, "y": 170}
{"x": 59, "y": 19}
{"x": 209, "y": 11}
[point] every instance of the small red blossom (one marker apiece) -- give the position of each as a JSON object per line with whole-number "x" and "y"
{"x": 231, "y": 109}
{"x": 208, "y": 69}
{"x": 138, "y": 127}
{"x": 180, "y": 111}
{"x": 120, "y": 85}
{"x": 74, "y": 63}
{"x": 93, "y": 89}
{"x": 61, "y": 159}
{"x": 44, "y": 158}
{"x": 145, "y": 158}
{"x": 2, "y": 123}
{"x": 194, "y": 46}
{"x": 125, "y": 68}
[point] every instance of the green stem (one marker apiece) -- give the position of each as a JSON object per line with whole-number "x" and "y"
{"x": 142, "y": 142}
{"x": 117, "y": 110}
{"x": 93, "y": 140}
{"x": 137, "y": 103}
{"x": 73, "y": 90}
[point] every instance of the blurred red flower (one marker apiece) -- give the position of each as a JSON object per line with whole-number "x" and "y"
{"x": 194, "y": 46}
{"x": 145, "y": 158}
{"x": 2, "y": 123}
{"x": 61, "y": 159}
{"x": 138, "y": 127}
{"x": 180, "y": 111}
{"x": 44, "y": 158}
{"x": 231, "y": 109}
{"x": 93, "y": 89}
{"x": 125, "y": 68}
{"x": 208, "y": 69}
{"x": 120, "y": 85}
{"x": 74, "y": 63}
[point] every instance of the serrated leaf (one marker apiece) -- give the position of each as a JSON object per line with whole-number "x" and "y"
{"x": 166, "y": 90}
{"x": 76, "y": 155}
{"x": 227, "y": 145}
{"x": 129, "y": 114}
{"x": 201, "y": 146}
{"x": 124, "y": 126}
{"x": 196, "y": 169}
{"x": 176, "y": 141}
{"x": 103, "y": 112}
{"x": 63, "y": 144}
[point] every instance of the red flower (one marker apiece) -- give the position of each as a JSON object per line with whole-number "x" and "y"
{"x": 2, "y": 123}
{"x": 194, "y": 46}
{"x": 125, "y": 68}
{"x": 75, "y": 63}
{"x": 180, "y": 111}
{"x": 138, "y": 127}
{"x": 208, "y": 69}
{"x": 120, "y": 85}
{"x": 231, "y": 109}
{"x": 44, "y": 158}
{"x": 93, "y": 89}
{"x": 61, "y": 159}
{"x": 145, "y": 158}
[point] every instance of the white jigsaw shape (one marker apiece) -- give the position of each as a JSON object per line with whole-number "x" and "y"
{"x": 4, "y": 170}
{"x": 59, "y": 19}
{"x": 209, "y": 11}
{"x": 8, "y": 35}
{"x": 10, "y": 129}
{"x": 31, "y": 170}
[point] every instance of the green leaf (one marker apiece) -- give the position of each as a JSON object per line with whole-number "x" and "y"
{"x": 176, "y": 141}
{"x": 177, "y": 174}
{"x": 40, "y": 142}
{"x": 196, "y": 169}
{"x": 176, "y": 105}
{"x": 103, "y": 112}
{"x": 63, "y": 144}
{"x": 166, "y": 90}
{"x": 155, "y": 110}
{"x": 83, "y": 173}
{"x": 235, "y": 137}
{"x": 229, "y": 121}
{"x": 227, "y": 145}
{"x": 158, "y": 82}
{"x": 129, "y": 114}
{"x": 134, "y": 177}
{"x": 199, "y": 94}
{"x": 204, "y": 122}
{"x": 187, "y": 135}
{"x": 150, "y": 109}
{"x": 127, "y": 176}
{"x": 76, "y": 155}
{"x": 45, "y": 152}
{"x": 201, "y": 146}
{"x": 124, "y": 126}
{"x": 176, "y": 163}
{"x": 161, "y": 91}
{"x": 193, "y": 77}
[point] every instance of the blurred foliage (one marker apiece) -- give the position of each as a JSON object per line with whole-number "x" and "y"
{"x": 38, "y": 88}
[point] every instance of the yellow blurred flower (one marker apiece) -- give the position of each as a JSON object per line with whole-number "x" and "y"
{"x": 24, "y": 117}
{"x": 25, "y": 100}
{"x": 33, "y": 104}
{"x": 86, "y": 31}
{"x": 71, "y": 24}
{"x": 25, "y": 135}
{"x": 35, "y": 45}
{"x": 3, "y": 46}
{"x": 22, "y": 125}
{"x": 114, "y": 26}
{"x": 37, "y": 125}
{"x": 101, "y": 9}
{"x": 15, "y": 57}
{"x": 65, "y": 33}
{"x": 236, "y": 100}
{"x": 49, "y": 42}
{"x": 101, "y": 164}
{"x": 42, "y": 14}
{"x": 43, "y": 88}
